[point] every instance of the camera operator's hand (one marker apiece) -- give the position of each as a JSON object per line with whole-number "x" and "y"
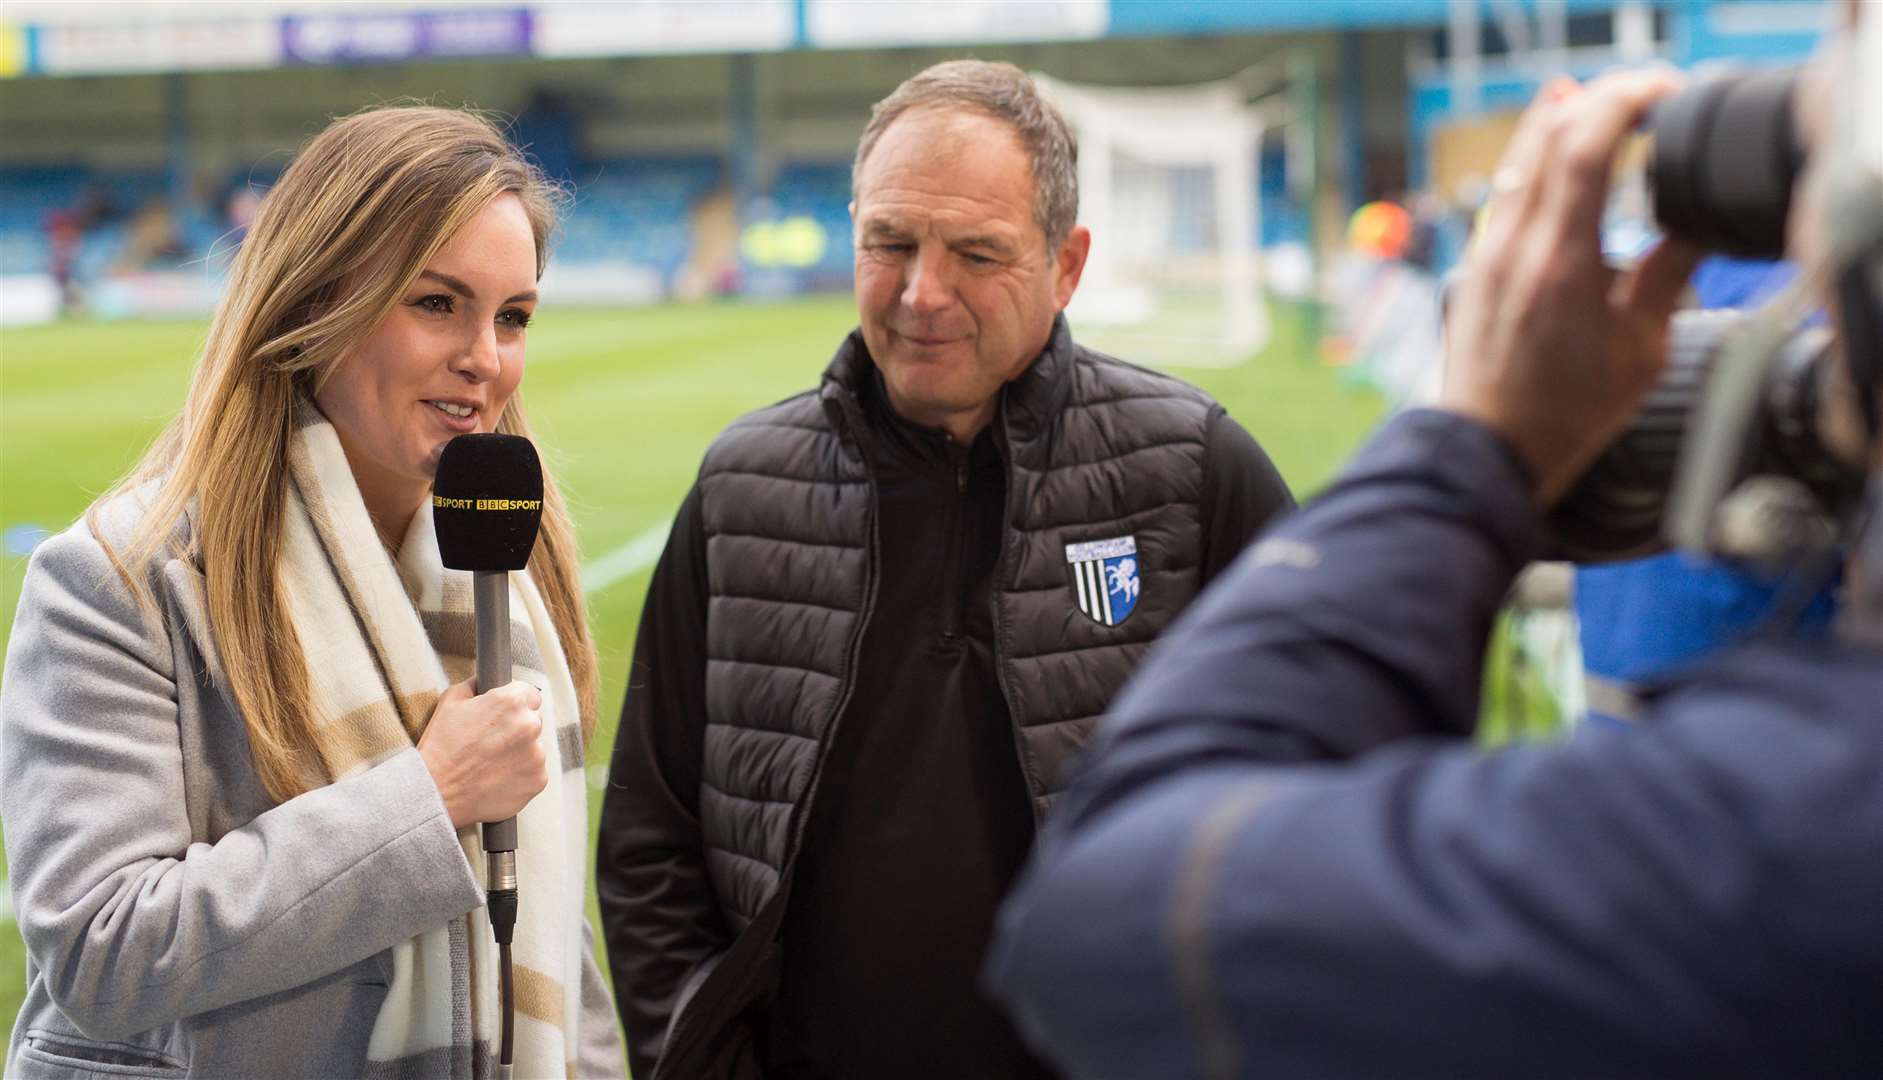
{"x": 1544, "y": 343}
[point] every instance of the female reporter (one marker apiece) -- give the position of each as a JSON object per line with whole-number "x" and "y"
{"x": 240, "y": 765}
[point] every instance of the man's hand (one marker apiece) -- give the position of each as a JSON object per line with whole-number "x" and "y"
{"x": 1544, "y": 344}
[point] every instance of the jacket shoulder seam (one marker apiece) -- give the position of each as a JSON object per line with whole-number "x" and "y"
{"x": 1170, "y": 385}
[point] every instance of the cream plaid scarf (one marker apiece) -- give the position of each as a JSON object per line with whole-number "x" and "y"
{"x": 382, "y": 641}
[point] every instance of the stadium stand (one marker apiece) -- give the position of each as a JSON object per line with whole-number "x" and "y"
{"x": 638, "y": 205}
{"x": 636, "y": 209}
{"x": 821, "y": 192}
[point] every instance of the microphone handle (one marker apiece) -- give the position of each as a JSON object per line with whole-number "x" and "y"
{"x": 491, "y": 595}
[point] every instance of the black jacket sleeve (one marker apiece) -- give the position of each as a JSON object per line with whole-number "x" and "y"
{"x": 1242, "y": 491}
{"x": 658, "y": 914}
{"x": 1223, "y": 893}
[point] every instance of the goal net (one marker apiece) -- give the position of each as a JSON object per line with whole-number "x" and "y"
{"x": 1167, "y": 184}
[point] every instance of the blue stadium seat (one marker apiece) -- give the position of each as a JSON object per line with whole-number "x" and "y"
{"x": 637, "y": 210}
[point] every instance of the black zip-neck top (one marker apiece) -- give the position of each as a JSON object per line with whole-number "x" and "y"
{"x": 922, "y": 819}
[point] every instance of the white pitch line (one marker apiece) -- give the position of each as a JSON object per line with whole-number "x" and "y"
{"x": 627, "y": 560}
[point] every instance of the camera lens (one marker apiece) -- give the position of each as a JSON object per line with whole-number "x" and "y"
{"x": 1725, "y": 156}
{"x": 1616, "y": 509}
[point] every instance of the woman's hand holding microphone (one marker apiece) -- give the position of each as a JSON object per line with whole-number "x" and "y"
{"x": 485, "y": 751}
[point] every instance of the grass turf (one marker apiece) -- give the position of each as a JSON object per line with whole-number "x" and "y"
{"x": 623, "y": 401}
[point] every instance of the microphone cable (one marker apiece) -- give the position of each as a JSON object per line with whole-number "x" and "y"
{"x": 506, "y": 1058}
{"x": 501, "y": 898}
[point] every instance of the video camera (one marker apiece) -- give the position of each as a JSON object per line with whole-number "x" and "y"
{"x": 1732, "y": 453}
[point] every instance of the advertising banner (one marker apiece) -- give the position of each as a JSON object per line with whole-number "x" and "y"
{"x": 860, "y": 23}
{"x": 189, "y": 45}
{"x": 12, "y": 51}
{"x": 665, "y": 26}
{"x": 411, "y": 35}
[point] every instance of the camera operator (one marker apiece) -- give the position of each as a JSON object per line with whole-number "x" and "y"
{"x": 1285, "y": 858}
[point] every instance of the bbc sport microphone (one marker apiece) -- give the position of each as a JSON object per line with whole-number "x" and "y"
{"x": 487, "y": 503}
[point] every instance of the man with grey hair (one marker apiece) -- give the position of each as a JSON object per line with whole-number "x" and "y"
{"x": 890, "y": 610}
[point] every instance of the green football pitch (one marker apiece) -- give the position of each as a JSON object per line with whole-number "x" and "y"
{"x": 623, "y": 403}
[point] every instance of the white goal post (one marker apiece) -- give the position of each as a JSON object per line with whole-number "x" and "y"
{"x": 1167, "y": 184}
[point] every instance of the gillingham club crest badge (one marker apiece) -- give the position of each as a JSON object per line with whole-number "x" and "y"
{"x": 1105, "y": 578}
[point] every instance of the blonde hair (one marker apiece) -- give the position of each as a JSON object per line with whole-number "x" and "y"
{"x": 340, "y": 238}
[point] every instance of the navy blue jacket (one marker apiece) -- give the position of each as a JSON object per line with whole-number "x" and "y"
{"x": 1284, "y": 859}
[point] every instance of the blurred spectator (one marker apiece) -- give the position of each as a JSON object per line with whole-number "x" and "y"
{"x": 151, "y": 236}
{"x": 64, "y": 231}
{"x": 1386, "y": 311}
{"x": 65, "y": 238}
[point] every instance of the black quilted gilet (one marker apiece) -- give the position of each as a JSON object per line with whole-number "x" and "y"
{"x": 1096, "y": 449}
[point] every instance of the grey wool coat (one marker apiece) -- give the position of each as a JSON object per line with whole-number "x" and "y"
{"x": 178, "y": 921}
